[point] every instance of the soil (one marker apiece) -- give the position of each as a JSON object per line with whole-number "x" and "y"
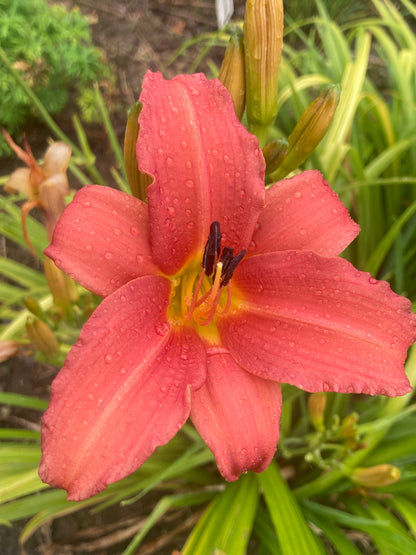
{"x": 135, "y": 35}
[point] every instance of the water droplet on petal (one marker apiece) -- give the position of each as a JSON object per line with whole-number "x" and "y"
{"x": 108, "y": 358}
{"x": 162, "y": 329}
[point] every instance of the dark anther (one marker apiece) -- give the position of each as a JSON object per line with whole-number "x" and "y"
{"x": 212, "y": 254}
{"x": 230, "y": 265}
{"x": 226, "y": 257}
{"x": 212, "y": 248}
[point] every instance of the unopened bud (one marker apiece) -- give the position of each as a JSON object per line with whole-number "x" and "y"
{"x": 349, "y": 426}
{"x": 263, "y": 42}
{"x": 316, "y": 408}
{"x": 309, "y": 130}
{"x": 63, "y": 288}
{"x": 376, "y": 476}
{"x": 232, "y": 72}
{"x": 138, "y": 181}
{"x": 42, "y": 337}
{"x": 8, "y": 349}
{"x": 274, "y": 153}
{"x": 34, "y": 307}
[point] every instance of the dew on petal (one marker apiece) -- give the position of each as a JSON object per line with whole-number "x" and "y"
{"x": 162, "y": 329}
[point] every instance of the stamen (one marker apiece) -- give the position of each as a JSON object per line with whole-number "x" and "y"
{"x": 194, "y": 302}
{"x": 204, "y": 308}
{"x": 228, "y": 271}
{"x": 206, "y": 311}
{"x": 212, "y": 248}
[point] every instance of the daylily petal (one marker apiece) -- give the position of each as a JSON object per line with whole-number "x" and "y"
{"x": 303, "y": 213}
{"x": 19, "y": 182}
{"x": 319, "y": 324}
{"x": 56, "y": 159}
{"x": 237, "y": 415}
{"x": 205, "y": 164}
{"x": 125, "y": 389}
{"x": 101, "y": 240}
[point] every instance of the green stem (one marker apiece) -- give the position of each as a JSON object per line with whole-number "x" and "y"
{"x": 110, "y": 131}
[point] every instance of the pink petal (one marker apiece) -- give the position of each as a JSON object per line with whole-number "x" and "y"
{"x": 319, "y": 324}
{"x": 205, "y": 164}
{"x": 125, "y": 389}
{"x": 102, "y": 240}
{"x": 237, "y": 415}
{"x": 303, "y": 213}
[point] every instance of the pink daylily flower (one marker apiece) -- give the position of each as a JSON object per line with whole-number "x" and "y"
{"x": 173, "y": 339}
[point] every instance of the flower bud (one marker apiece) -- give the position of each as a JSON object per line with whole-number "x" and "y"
{"x": 274, "y": 153}
{"x": 263, "y": 42}
{"x": 376, "y": 476}
{"x": 138, "y": 181}
{"x": 316, "y": 408}
{"x": 63, "y": 288}
{"x": 34, "y": 307}
{"x": 8, "y": 349}
{"x": 309, "y": 130}
{"x": 348, "y": 426}
{"x": 42, "y": 337}
{"x": 232, "y": 72}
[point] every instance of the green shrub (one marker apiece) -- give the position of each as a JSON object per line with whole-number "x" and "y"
{"x": 53, "y": 51}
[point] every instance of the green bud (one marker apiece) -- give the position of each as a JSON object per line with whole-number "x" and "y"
{"x": 263, "y": 42}
{"x": 34, "y": 307}
{"x": 63, "y": 288}
{"x": 138, "y": 181}
{"x": 274, "y": 153}
{"x": 316, "y": 409}
{"x": 232, "y": 72}
{"x": 376, "y": 476}
{"x": 42, "y": 337}
{"x": 309, "y": 130}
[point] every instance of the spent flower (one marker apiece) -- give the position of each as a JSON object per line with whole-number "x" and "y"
{"x": 45, "y": 186}
{"x": 215, "y": 292}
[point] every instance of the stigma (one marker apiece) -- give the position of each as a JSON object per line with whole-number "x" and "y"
{"x": 220, "y": 263}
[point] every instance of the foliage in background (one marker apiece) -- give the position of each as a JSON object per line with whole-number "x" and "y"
{"x": 331, "y": 504}
{"x": 53, "y": 51}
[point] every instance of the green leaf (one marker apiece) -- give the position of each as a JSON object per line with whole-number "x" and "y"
{"x": 294, "y": 534}
{"x": 25, "y": 401}
{"x": 23, "y": 275}
{"x": 228, "y": 521}
{"x": 406, "y": 509}
{"x": 338, "y": 539}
